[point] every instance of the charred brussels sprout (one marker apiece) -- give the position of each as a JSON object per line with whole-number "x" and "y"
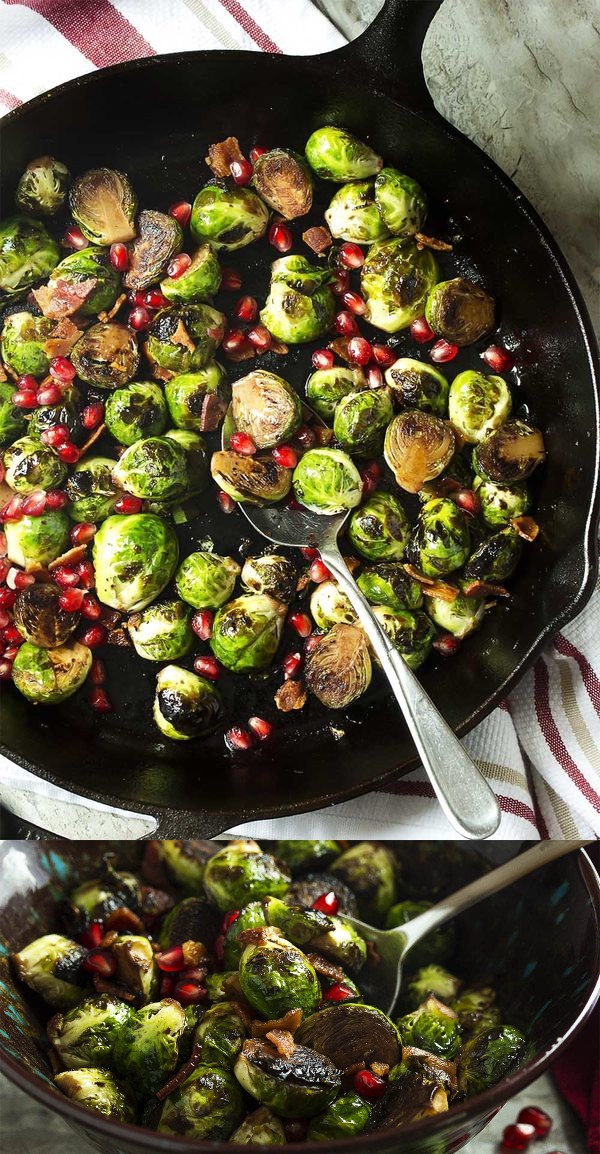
{"x": 185, "y": 706}
{"x": 222, "y": 1033}
{"x": 261, "y": 1128}
{"x": 206, "y": 580}
{"x": 51, "y": 966}
{"x": 23, "y": 344}
{"x": 39, "y": 617}
{"x": 330, "y": 606}
{"x": 256, "y": 480}
{"x": 489, "y": 1057}
{"x": 27, "y": 254}
{"x": 64, "y": 412}
{"x": 510, "y": 454}
{"x": 305, "y": 891}
{"x": 396, "y": 280}
{"x": 297, "y": 924}
{"x": 338, "y": 668}
{"x": 146, "y": 1049}
{"x": 412, "y": 634}
{"x": 460, "y": 311}
{"x": 106, "y": 355}
{"x": 353, "y": 214}
{"x": 283, "y": 180}
{"x": 344, "y": 1118}
{"x": 496, "y": 558}
{"x": 327, "y": 481}
{"x": 325, "y": 388}
{"x": 198, "y": 400}
{"x": 184, "y": 338}
{"x": 136, "y": 966}
{"x": 241, "y": 873}
{"x": 104, "y": 204}
{"x": 48, "y": 676}
{"x": 390, "y": 585}
{"x": 360, "y": 422}
{"x": 478, "y": 404}
{"x": 32, "y": 465}
{"x": 380, "y": 529}
{"x": 161, "y": 632}
{"x": 369, "y": 870}
{"x": 416, "y": 385}
{"x": 33, "y": 542}
{"x": 90, "y": 489}
{"x": 158, "y": 238}
{"x": 477, "y": 1010}
{"x": 418, "y": 447}
{"x": 302, "y": 855}
{"x": 96, "y": 899}
{"x": 207, "y": 1105}
{"x": 251, "y": 916}
{"x": 182, "y": 863}
{"x": 349, "y": 1032}
{"x": 12, "y": 421}
{"x": 191, "y": 920}
{"x": 335, "y": 154}
{"x": 441, "y": 540}
{"x": 91, "y": 269}
{"x": 272, "y": 574}
{"x": 436, "y": 947}
{"x": 418, "y": 1088}
{"x": 433, "y": 1027}
{"x": 88, "y": 1032}
{"x": 499, "y": 503}
{"x": 300, "y": 306}
{"x": 299, "y": 1086}
{"x": 247, "y": 631}
{"x": 229, "y": 218}
{"x": 459, "y": 617}
{"x": 98, "y": 1090}
{"x": 200, "y": 281}
{"x": 154, "y": 468}
{"x": 431, "y": 979}
{"x": 266, "y": 407}
{"x": 401, "y": 202}
{"x": 343, "y": 944}
{"x": 42, "y": 188}
{"x": 196, "y": 462}
{"x": 134, "y": 558}
{"x": 136, "y": 411}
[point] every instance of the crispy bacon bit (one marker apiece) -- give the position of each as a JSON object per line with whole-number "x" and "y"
{"x": 162, "y": 374}
{"x": 291, "y": 695}
{"x": 108, "y": 316}
{"x": 91, "y": 440}
{"x": 352, "y": 563}
{"x": 303, "y": 582}
{"x": 211, "y": 414}
{"x": 71, "y": 557}
{"x": 222, "y": 155}
{"x": 62, "y": 338}
{"x": 110, "y": 617}
{"x": 118, "y": 637}
{"x": 526, "y": 527}
{"x": 111, "y": 936}
{"x": 431, "y": 242}
{"x": 102, "y": 986}
{"x": 289, "y": 1024}
{"x": 245, "y": 353}
{"x": 323, "y": 435}
{"x": 257, "y": 935}
{"x": 318, "y": 238}
{"x": 354, "y": 1068}
{"x": 194, "y": 953}
{"x": 484, "y": 589}
{"x": 62, "y": 298}
{"x": 439, "y": 1069}
{"x": 326, "y": 969}
{"x": 380, "y": 1068}
{"x": 182, "y": 1074}
{"x": 182, "y": 337}
{"x": 340, "y": 347}
{"x": 11, "y": 372}
{"x": 243, "y": 1011}
{"x": 282, "y": 1041}
{"x": 431, "y": 587}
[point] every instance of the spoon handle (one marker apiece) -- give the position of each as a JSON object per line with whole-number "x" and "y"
{"x": 462, "y": 791}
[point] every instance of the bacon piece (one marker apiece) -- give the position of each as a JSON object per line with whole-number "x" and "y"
{"x": 289, "y": 1024}
{"x": 324, "y": 436}
{"x": 424, "y": 241}
{"x": 431, "y": 586}
{"x": 71, "y": 557}
{"x": 62, "y": 298}
{"x": 278, "y": 347}
{"x": 108, "y": 316}
{"x": 291, "y": 695}
{"x": 222, "y": 155}
{"x": 182, "y": 1074}
{"x": 526, "y": 527}
{"x": 380, "y": 1068}
{"x": 212, "y": 413}
{"x": 194, "y": 953}
{"x": 118, "y": 637}
{"x": 354, "y": 1068}
{"x": 340, "y": 347}
{"x": 318, "y": 238}
{"x": 3, "y": 374}
{"x": 257, "y": 935}
{"x": 282, "y": 1041}
{"x": 326, "y": 969}
{"x": 182, "y": 337}
{"x": 102, "y": 986}
{"x": 110, "y": 938}
{"x": 485, "y": 589}
{"x": 92, "y": 440}
{"x": 62, "y": 338}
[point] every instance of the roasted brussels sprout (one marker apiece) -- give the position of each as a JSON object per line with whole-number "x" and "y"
{"x": 305, "y": 891}
{"x": 207, "y": 1105}
{"x": 436, "y": 947}
{"x": 198, "y": 400}
{"x": 23, "y": 344}
{"x": 459, "y": 617}
{"x": 136, "y": 411}
{"x": 251, "y": 916}
{"x": 396, "y": 279}
{"x": 283, "y": 179}
{"x": 106, "y": 356}
{"x": 431, "y": 979}
{"x": 27, "y": 254}
{"x": 191, "y": 920}
{"x": 297, "y": 924}
{"x": 417, "y": 385}
{"x": 411, "y": 633}
{"x": 335, "y": 154}
{"x": 343, "y": 944}
{"x": 300, "y": 306}
{"x": 369, "y": 870}
{"x": 222, "y": 1033}
{"x": 256, "y": 480}
{"x": 272, "y": 574}
{"x": 360, "y": 422}
{"x": 489, "y": 1057}
{"x": 441, "y": 540}
{"x": 338, "y": 668}
{"x": 88, "y": 1032}
{"x": 229, "y": 218}
{"x": 477, "y": 1010}
{"x": 348, "y": 1032}
{"x": 460, "y": 311}
{"x": 48, "y": 676}
{"x": 51, "y": 966}
{"x": 147, "y": 1047}
{"x": 158, "y": 238}
{"x": 380, "y": 529}
{"x": 261, "y": 1128}
{"x": 499, "y": 503}
{"x": 196, "y": 462}
{"x": 33, "y": 542}
{"x": 98, "y": 1090}
{"x": 353, "y": 214}
{"x": 154, "y": 468}
{"x": 39, "y": 617}
{"x": 389, "y": 584}
{"x": 64, "y": 412}
{"x": 330, "y": 606}
{"x": 185, "y": 706}
{"x": 418, "y": 447}
{"x": 206, "y": 580}
{"x": 478, "y": 404}
{"x": 433, "y": 1027}
{"x": 134, "y": 558}
{"x": 200, "y": 281}
{"x": 96, "y": 899}
{"x": 12, "y": 421}
{"x": 327, "y": 481}
{"x": 247, "y": 631}
{"x": 91, "y": 275}
{"x": 184, "y": 338}
{"x": 457, "y": 475}
{"x": 30, "y": 465}
{"x": 161, "y": 632}
{"x": 241, "y": 873}
{"x": 298, "y": 1086}
{"x": 510, "y": 454}
{"x": 104, "y": 205}
{"x": 417, "y": 1088}
{"x": 43, "y": 186}
{"x": 301, "y": 855}
{"x": 91, "y": 490}
{"x": 136, "y": 966}
{"x": 496, "y": 558}
{"x": 179, "y": 863}
{"x": 401, "y": 202}
{"x": 344, "y": 1118}
{"x": 266, "y": 407}
{"x": 326, "y": 387}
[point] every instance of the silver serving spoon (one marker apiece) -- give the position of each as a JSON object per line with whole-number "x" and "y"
{"x": 393, "y": 945}
{"x": 462, "y": 791}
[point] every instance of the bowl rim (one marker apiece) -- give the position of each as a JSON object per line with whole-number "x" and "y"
{"x": 490, "y": 1101}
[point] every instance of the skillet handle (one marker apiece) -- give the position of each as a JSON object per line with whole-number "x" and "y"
{"x": 389, "y": 52}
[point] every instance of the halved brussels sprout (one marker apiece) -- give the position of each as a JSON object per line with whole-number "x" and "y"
{"x": 48, "y": 676}
{"x": 433, "y": 1027}
{"x": 431, "y": 979}
{"x": 510, "y": 454}
{"x": 184, "y": 338}
{"x": 478, "y": 404}
{"x": 104, "y": 204}
{"x": 496, "y": 558}
{"x": 417, "y": 385}
{"x": 206, "y": 580}
{"x": 30, "y": 465}
{"x": 247, "y": 631}
{"x": 229, "y": 218}
{"x": 196, "y": 463}
{"x": 222, "y": 1033}
{"x": 91, "y": 490}
{"x": 207, "y": 1105}
{"x": 327, "y": 481}
{"x": 23, "y": 344}
{"x": 198, "y": 400}
{"x": 261, "y": 1128}
{"x": 298, "y": 273}
{"x": 501, "y": 503}
{"x": 251, "y": 916}
{"x": 276, "y": 977}
{"x": 159, "y": 237}
{"x": 107, "y": 355}
{"x": 335, "y": 154}
{"x": 326, "y": 387}
{"x": 134, "y": 558}
{"x": 348, "y": 1032}
{"x": 343, "y": 944}
{"x": 401, "y": 202}
{"x": 353, "y": 214}
{"x": 64, "y": 412}
{"x": 417, "y": 1088}
{"x": 191, "y": 920}
{"x": 98, "y": 1090}
{"x": 380, "y": 529}
{"x": 95, "y": 900}
{"x": 12, "y": 421}
{"x": 147, "y": 1047}
{"x": 241, "y": 872}
{"x": 257, "y": 480}
{"x": 272, "y": 574}
{"x": 136, "y": 411}
{"x": 185, "y": 706}
{"x": 27, "y": 254}
{"x": 89, "y": 267}
{"x": 344, "y": 1118}
{"x": 51, "y": 966}
{"x": 300, "y": 306}
{"x": 412, "y": 633}
{"x": 266, "y": 407}
{"x": 338, "y": 668}
{"x": 460, "y": 311}
{"x": 298, "y": 1086}
{"x": 389, "y": 584}
{"x": 161, "y": 632}
{"x": 360, "y": 422}
{"x": 436, "y": 946}
{"x": 39, "y": 617}
{"x": 396, "y": 280}
{"x": 283, "y": 179}
{"x": 489, "y": 1057}
{"x": 43, "y": 186}
{"x": 33, "y": 542}
{"x": 418, "y": 447}
{"x": 369, "y": 869}
{"x": 477, "y": 1010}
{"x": 88, "y": 1032}
{"x": 441, "y": 540}
{"x": 136, "y": 966}
{"x": 459, "y": 617}
{"x": 329, "y": 606}
{"x": 154, "y": 468}
{"x": 200, "y": 281}
{"x": 297, "y": 924}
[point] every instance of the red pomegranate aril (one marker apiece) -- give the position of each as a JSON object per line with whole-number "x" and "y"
{"x": 218, "y": 948}
{"x": 34, "y": 503}
{"x": 338, "y": 993}
{"x": 446, "y": 644}
{"x": 246, "y": 309}
{"x": 207, "y": 667}
{"x": 443, "y": 351}
{"x": 322, "y": 359}
{"x": 498, "y": 359}
{"x": 56, "y": 435}
{"x": 242, "y": 443}
{"x": 67, "y": 576}
{"x": 100, "y": 701}
{"x": 83, "y": 533}
{"x": 260, "y": 337}
{"x": 351, "y": 255}
{"x": 238, "y": 739}
{"x": 7, "y": 597}
{"x": 327, "y": 903}
{"x": 384, "y": 356}
{"x": 97, "y": 672}
{"x": 285, "y": 456}
{"x": 62, "y": 370}
{"x": 92, "y": 937}
{"x": 256, "y": 151}
{"x": 421, "y": 331}
{"x": 189, "y": 993}
{"x": 94, "y": 636}
{"x": 12, "y": 635}
{"x": 341, "y": 284}
{"x": 229, "y": 919}
{"x": 28, "y": 383}
{"x": 4, "y": 619}
{"x": 295, "y": 1129}
{"x": 178, "y": 265}
{"x": 154, "y": 300}
{"x": 359, "y": 351}
{"x": 91, "y": 609}
{"x": 345, "y": 324}
{"x": 74, "y": 238}
{"x": 5, "y": 669}
{"x": 137, "y": 298}
{"x": 49, "y": 395}
{"x": 305, "y": 437}
{"x": 241, "y": 171}
{"x": 170, "y": 961}
{"x": 87, "y": 576}
{"x": 24, "y": 399}
{"x": 368, "y": 1085}
{"x": 18, "y": 579}
{"x": 100, "y": 962}
{"x": 355, "y": 303}
{"x": 167, "y": 985}
{"x": 517, "y": 1136}
{"x": 181, "y": 210}
{"x": 71, "y": 600}
{"x": 230, "y": 279}
{"x": 468, "y": 501}
{"x": 128, "y": 504}
{"x": 119, "y": 256}
{"x": 4, "y": 571}
{"x": 281, "y": 237}
{"x": 11, "y": 651}
{"x": 202, "y": 623}
{"x": 261, "y": 729}
{"x": 375, "y": 377}
{"x": 291, "y": 665}
{"x": 319, "y": 572}
{"x": 533, "y": 1116}
{"x": 139, "y": 318}
{"x": 301, "y": 623}
{"x": 92, "y": 415}
{"x": 13, "y": 511}
{"x": 309, "y": 553}
{"x": 56, "y": 499}
{"x": 233, "y": 341}
{"x": 226, "y": 503}
{"x": 68, "y": 453}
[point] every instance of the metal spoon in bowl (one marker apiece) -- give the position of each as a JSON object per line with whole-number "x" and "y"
{"x": 462, "y": 791}
{"x": 382, "y": 982}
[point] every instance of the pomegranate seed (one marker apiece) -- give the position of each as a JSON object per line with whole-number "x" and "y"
{"x": 92, "y": 415}
{"x": 71, "y": 600}
{"x": 136, "y": 298}
{"x": 371, "y": 476}
{"x": 285, "y": 456}
{"x": 119, "y": 256}
{"x": 74, "y": 238}
{"x": 261, "y": 729}
{"x": 12, "y": 511}
{"x": 139, "y": 318}
{"x": 346, "y": 325}
{"x": 91, "y": 609}
{"x": 280, "y": 236}
{"x": 375, "y": 377}
{"x": 178, "y": 265}
{"x": 351, "y": 255}
{"x": 227, "y": 503}
{"x": 167, "y": 985}
{"x": 230, "y": 279}
{"x": 202, "y": 623}
{"x": 94, "y": 636}
{"x": 181, "y": 210}
{"x": 3, "y": 545}
{"x": 170, "y": 961}
{"x": 62, "y": 370}
{"x": 154, "y": 299}
{"x": 443, "y": 351}
{"x": 28, "y": 383}
{"x": 100, "y": 962}
{"x": 327, "y": 903}
{"x": 100, "y": 701}
{"x": 243, "y": 443}
{"x": 83, "y": 533}
{"x": 12, "y": 635}
{"x": 446, "y": 644}
{"x": 33, "y": 504}
{"x": 305, "y": 437}
{"x": 5, "y": 669}
{"x": 49, "y": 395}
{"x": 207, "y": 667}
{"x": 4, "y": 619}
{"x": 87, "y": 575}
{"x": 341, "y": 284}
{"x": 24, "y": 399}
{"x": 338, "y": 993}
{"x": 517, "y": 1136}
{"x": 295, "y": 1129}
{"x": 291, "y": 665}
{"x": 11, "y": 652}
{"x": 301, "y": 623}
{"x": 319, "y": 572}
{"x": 355, "y": 303}
{"x": 260, "y": 337}
{"x": 56, "y": 435}
{"x": 468, "y": 501}
{"x": 241, "y": 171}
{"x": 66, "y": 576}
{"x": 498, "y": 359}
{"x": 92, "y": 937}
{"x": 323, "y": 359}
{"x": 56, "y": 499}
{"x": 359, "y": 351}
{"x": 533, "y": 1116}
{"x": 309, "y": 553}
{"x": 384, "y": 356}
{"x": 189, "y": 993}
{"x": 68, "y": 453}
{"x": 246, "y": 309}
{"x": 421, "y": 331}
{"x": 97, "y": 672}
{"x": 7, "y": 597}
{"x": 218, "y": 947}
{"x": 4, "y": 571}
{"x": 257, "y": 151}
{"x": 368, "y": 1085}
{"x": 238, "y": 739}
{"x": 128, "y": 504}
{"x": 17, "y": 579}
{"x": 234, "y": 340}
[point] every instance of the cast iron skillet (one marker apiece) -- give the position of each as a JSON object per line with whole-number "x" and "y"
{"x": 154, "y": 118}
